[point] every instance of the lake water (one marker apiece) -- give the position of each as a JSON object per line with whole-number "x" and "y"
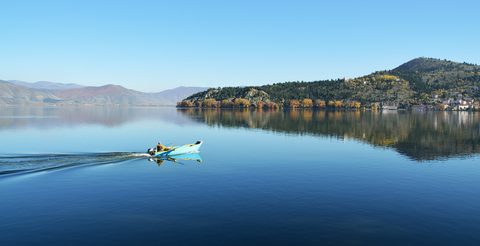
{"x": 78, "y": 176}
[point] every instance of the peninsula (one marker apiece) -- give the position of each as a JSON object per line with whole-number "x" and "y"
{"x": 422, "y": 83}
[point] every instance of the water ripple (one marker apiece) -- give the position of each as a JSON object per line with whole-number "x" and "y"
{"x": 20, "y": 164}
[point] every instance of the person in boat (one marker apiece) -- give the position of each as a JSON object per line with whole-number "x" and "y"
{"x": 161, "y": 147}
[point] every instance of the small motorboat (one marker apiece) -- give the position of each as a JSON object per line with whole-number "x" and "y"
{"x": 176, "y": 150}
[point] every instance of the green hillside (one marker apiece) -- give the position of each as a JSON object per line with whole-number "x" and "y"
{"x": 445, "y": 78}
{"x": 422, "y": 81}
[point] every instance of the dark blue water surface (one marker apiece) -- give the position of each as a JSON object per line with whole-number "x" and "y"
{"x": 76, "y": 176}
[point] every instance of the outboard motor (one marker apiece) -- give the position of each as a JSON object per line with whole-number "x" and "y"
{"x": 151, "y": 151}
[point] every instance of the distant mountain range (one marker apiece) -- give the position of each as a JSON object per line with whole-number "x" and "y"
{"x": 14, "y": 92}
{"x": 46, "y": 85}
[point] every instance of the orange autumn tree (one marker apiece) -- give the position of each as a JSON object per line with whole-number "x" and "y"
{"x": 293, "y": 103}
{"x": 307, "y": 103}
{"x": 338, "y": 104}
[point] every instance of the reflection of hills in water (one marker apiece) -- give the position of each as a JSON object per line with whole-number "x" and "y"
{"x": 51, "y": 117}
{"x": 418, "y": 135}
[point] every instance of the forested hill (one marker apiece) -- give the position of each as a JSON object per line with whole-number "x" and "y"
{"x": 422, "y": 81}
{"x": 428, "y": 75}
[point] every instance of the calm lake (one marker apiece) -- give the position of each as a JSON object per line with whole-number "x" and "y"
{"x": 78, "y": 176}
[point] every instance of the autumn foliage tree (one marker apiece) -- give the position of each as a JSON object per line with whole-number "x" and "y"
{"x": 335, "y": 104}
{"x": 307, "y": 103}
{"x": 241, "y": 103}
{"x": 357, "y": 105}
{"x": 354, "y": 104}
{"x": 210, "y": 103}
{"x": 294, "y": 103}
{"x": 225, "y": 103}
{"x": 338, "y": 104}
{"x": 185, "y": 103}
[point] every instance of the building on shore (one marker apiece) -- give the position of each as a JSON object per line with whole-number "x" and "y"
{"x": 389, "y": 106}
{"x": 463, "y": 104}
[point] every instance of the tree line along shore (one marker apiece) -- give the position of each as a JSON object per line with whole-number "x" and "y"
{"x": 307, "y": 103}
{"x": 242, "y": 103}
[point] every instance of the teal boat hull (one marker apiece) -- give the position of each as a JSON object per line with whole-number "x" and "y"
{"x": 180, "y": 150}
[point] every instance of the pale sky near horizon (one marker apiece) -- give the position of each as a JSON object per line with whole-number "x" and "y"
{"x": 156, "y": 45}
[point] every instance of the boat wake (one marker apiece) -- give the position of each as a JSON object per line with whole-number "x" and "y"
{"x": 20, "y": 164}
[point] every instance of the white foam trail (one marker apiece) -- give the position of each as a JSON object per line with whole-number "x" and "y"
{"x": 140, "y": 155}
{"x": 34, "y": 163}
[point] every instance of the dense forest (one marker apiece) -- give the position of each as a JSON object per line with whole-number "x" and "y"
{"x": 425, "y": 82}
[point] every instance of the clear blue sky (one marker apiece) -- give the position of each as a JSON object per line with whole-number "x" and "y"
{"x": 155, "y": 45}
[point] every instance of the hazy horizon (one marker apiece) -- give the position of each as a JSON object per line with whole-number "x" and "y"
{"x": 151, "y": 46}
{"x": 18, "y": 82}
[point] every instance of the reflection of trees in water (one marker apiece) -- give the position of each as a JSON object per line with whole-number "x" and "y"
{"x": 418, "y": 135}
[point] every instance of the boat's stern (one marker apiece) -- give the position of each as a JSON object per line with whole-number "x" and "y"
{"x": 151, "y": 151}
